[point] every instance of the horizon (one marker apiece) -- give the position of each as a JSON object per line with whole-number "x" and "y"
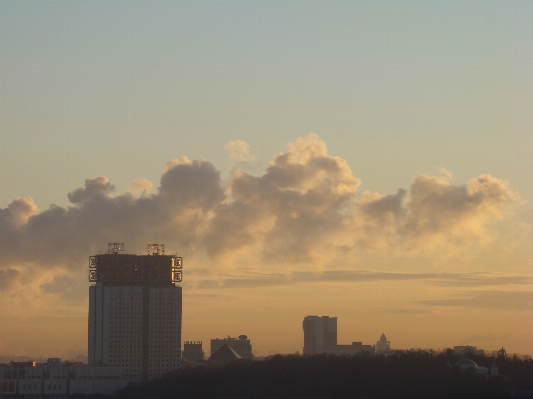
{"x": 364, "y": 160}
{"x": 461, "y": 352}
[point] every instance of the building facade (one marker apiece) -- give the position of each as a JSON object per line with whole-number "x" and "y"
{"x": 320, "y": 334}
{"x": 241, "y": 345}
{"x": 193, "y": 351}
{"x": 135, "y": 310}
{"x": 56, "y": 379}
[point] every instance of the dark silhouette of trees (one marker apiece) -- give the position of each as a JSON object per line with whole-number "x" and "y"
{"x": 421, "y": 374}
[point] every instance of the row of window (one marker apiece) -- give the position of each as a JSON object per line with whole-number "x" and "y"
{"x": 131, "y": 327}
{"x": 8, "y": 386}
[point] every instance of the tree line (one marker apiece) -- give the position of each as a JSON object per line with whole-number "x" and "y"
{"x": 420, "y": 374}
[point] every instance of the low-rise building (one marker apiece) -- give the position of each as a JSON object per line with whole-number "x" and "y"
{"x": 193, "y": 352}
{"x": 353, "y": 349}
{"x": 465, "y": 350}
{"x": 58, "y": 379}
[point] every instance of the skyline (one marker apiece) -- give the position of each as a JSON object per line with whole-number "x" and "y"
{"x": 370, "y": 160}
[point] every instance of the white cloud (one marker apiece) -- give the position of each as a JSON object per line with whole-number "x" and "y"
{"x": 303, "y": 210}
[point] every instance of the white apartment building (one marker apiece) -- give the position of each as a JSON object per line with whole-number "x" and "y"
{"x": 135, "y": 312}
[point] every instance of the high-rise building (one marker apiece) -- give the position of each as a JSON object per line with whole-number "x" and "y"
{"x": 320, "y": 334}
{"x": 135, "y": 311}
{"x": 241, "y": 345}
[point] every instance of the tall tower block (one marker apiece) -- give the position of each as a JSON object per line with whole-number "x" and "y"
{"x": 320, "y": 334}
{"x": 135, "y": 308}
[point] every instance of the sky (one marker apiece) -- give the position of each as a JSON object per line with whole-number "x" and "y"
{"x": 365, "y": 160}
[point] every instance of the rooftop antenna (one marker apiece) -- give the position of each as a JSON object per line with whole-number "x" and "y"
{"x": 115, "y": 248}
{"x": 155, "y": 249}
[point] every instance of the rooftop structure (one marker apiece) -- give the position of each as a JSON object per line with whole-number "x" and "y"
{"x": 240, "y": 345}
{"x": 193, "y": 352}
{"x": 223, "y": 356}
{"x": 383, "y": 346}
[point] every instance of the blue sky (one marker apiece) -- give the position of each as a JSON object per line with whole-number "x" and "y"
{"x": 119, "y": 89}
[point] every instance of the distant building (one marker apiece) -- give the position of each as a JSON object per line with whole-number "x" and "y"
{"x": 383, "y": 346}
{"x": 135, "y": 311}
{"x": 465, "y": 350}
{"x": 223, "y": 356}
{"x": 320, "y": 334}
{"x": 82, "y": 359}
{"x": 240, "y": 345}
{"x": 494, "y": 368}
{"x": 193, "y": 352}
{"x": 353, "y": 349}
{"x": 58, "y": 380}
{"x": 470, "y": 365}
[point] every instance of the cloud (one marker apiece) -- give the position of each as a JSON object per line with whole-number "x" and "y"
{"x": 294, "y": 212}
{"x": 406, "y": 311}
{"x": 188, "y": 185}
{"x": 7, "y": 278}
{"x": 18, "y": 211}
{"x": 68, "y": 287}
{"x": 188, "y": 193}
{"x": 239, "y": 150}
{"x": 96, "y": 187}
{"x": 254, "y": 279}
{"x": 504, "y": 300}
{"x": 141, "y": 186}
{"x": 481, "y": 279}
{"x": 435, "y": 215}
{"x": 304, "y": 210}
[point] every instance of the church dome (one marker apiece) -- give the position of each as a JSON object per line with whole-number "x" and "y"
{"x": 465, "y": 364}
